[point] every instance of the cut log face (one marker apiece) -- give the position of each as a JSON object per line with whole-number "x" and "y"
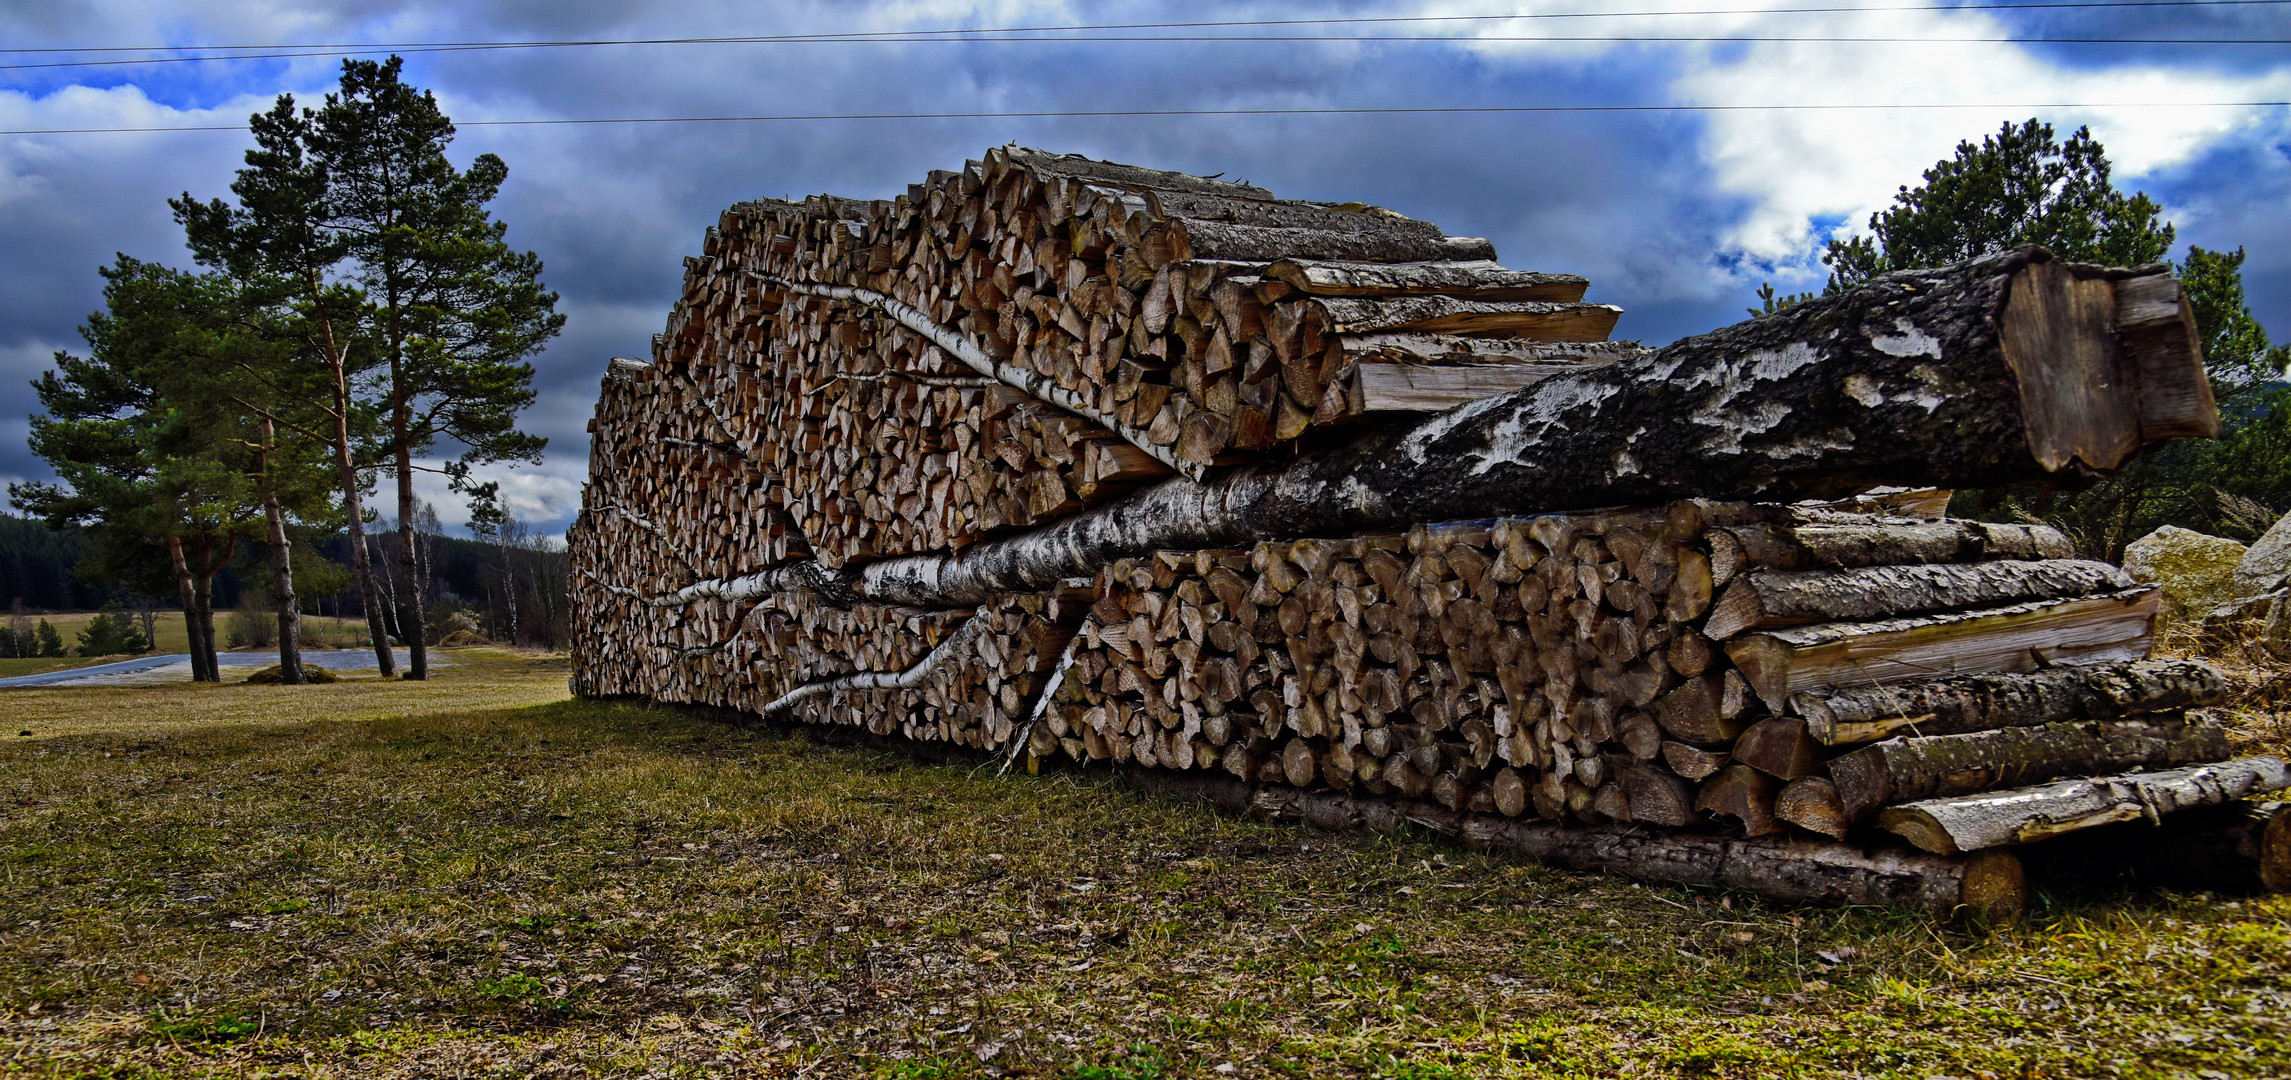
{"x": 1997, "y": 818}
{"x": 1811, "y": 803}
{"x": 1063, "y": 458}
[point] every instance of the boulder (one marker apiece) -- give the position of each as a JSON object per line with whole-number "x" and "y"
{"x": 270, "y": 676}
{"x": 2266, "y": 567}
{"x": 2196, "y": 570}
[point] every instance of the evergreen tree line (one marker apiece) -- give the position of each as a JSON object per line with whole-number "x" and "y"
{"x": 2024, "y": 186}
{"x": 507, "y": 585}
{"x": 354, "y": 309}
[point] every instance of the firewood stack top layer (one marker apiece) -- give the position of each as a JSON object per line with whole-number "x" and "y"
{"x": 848, "y": 387}
{"x": 1036, "y": 333}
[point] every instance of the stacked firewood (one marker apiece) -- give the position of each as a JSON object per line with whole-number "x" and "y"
{"x": 1038, "y": 333}
{"x": 1656, "y": 667}
{"x": 1027, "y": 461}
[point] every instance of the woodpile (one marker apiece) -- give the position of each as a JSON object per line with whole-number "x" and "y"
{"x": 1038, "y": 333}
{"x": 1655, "y": 667}
{"x": 1055, "y": 458}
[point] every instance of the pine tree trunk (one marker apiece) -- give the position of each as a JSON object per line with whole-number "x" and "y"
{"x": 203, "y": 601}
{"x": 411, "y": 620}
{"x": 281, "y": 550}
{"x": 195, "y": 643}
{"x": 354, "y": 514}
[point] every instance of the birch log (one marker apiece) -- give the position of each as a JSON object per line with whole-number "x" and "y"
{"x": 1901, "y": 380}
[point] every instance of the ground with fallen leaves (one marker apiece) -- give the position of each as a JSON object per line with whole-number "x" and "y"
{"x": 477, "y": 877}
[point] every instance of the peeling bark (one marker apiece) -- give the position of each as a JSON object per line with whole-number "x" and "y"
{"x": 883, "y": 680}
{"x": 1900, "y": 381}
{"x": 1769, "y": 598}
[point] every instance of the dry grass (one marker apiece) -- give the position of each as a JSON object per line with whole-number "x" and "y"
{"x": 372, "y": 880}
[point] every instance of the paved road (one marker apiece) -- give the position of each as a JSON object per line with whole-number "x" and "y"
{"x": 153, "y": 668}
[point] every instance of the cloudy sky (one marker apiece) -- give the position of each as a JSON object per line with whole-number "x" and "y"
{"x": 1675, "y": 212}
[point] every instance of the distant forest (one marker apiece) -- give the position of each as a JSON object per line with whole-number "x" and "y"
{"x": 39, "y": 567}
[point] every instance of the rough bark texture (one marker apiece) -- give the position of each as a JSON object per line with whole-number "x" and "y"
{"x": 1790, "y": 870}
{"x": 1478, "y": 281}
{"x": 282, "y": 574}
{"x": 1770, "y": 598}
{"x": 1905, "y": 769}
{"x": 1835, "y": 545}
{"x": 193, "y": 631}
{"x": 2018, "y": 637}
{"x": 1997, "y": 818}
{"x": 1987, "y": 702}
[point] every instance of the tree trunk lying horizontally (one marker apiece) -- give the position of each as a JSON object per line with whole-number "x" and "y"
{"x": 1997, "y": 818}
{"x": 1989, "y": 701}
{"x": 1913, "y": 378}
{"x": 1906, "y": 769}
{"x": 1990, "y": 884}
{"x": 2237, "y": 847}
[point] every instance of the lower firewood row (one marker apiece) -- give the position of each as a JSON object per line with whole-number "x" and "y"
{"x": 1784, "y": 676}
{"x": 1655, "y": 667}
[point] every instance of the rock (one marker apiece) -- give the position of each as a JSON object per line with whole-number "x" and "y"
{"x": 269, "y": 676}
{"x": 2267, "y": 566}
{"x": 2196, "y": 570}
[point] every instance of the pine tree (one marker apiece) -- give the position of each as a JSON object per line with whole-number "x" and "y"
{"x": 2020, "y": 186}
{"x": 359, "y": 192}
{"x": 51, "y": 644}
{"x": 279, "y": 245}
{"x": 146, "y": 466}
{"x": 456, "y": 310}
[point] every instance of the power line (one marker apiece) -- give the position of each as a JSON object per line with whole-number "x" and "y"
{"x": 1069, "y": 32}
{"x": 1198, "y": 40}
{"x": 1334, "y": 111}
{"x": 2003, "y": 5}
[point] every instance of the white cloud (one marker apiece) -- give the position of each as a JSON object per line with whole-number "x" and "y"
{"x": 1793, "y": 167}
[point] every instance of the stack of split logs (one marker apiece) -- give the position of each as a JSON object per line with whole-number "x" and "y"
{"x": 1063, "y": 459}
{"x": 1769, "y": 666}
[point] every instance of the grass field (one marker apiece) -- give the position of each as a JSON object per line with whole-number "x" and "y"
{"x": 318, "y": 632}
{"x": 476, "y": 877}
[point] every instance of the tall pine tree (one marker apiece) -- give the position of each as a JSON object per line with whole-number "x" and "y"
{"x": 416, "y": 305}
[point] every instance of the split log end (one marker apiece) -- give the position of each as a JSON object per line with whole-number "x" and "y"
{"x": 2107, "y": 362}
